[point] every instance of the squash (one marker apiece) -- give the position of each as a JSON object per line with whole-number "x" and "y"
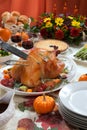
{"x": 5, "y": 34}
{"x": 83, "y": 77}
{"x": 44, "y": 104}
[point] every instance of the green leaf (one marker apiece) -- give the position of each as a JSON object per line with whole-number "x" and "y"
{"x": 37, "y": 128}
{"x": 32, "y": 19}
{"x": 17, "y": 85}
{"x": 21, "y": 107}
{"x": 34, "y": 29}
{"x": 26, "y": 26}
{"x": 53, "y": 129}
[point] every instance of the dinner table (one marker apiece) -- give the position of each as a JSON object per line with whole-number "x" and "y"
{"x": 24, "y": 104}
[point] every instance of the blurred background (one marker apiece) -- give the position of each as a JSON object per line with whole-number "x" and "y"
{"x": 33, "y": 8}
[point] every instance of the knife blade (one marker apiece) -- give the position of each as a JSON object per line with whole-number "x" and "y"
{"x": 13, "y": 50}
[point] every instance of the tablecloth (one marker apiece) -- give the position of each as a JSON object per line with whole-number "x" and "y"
{"x": 51, "y": 121}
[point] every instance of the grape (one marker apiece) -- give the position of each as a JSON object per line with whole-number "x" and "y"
{"x": 10, "y": 84}
{"x": 43, "y": 86}
{"x": 5, "y": 82}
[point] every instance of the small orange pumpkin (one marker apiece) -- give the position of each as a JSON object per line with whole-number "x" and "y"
{"x": 44, "y": 104}
{"x": 83, "y": 77}
{"x": 5, "y": 34}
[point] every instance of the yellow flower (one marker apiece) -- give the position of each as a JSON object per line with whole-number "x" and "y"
{"x": 70, "y": 17}
{"x": 75, "y": 23}
{"x": 48, "y": 24}
{"x": 47, "y": 19}
{"x": 59, "y": 21}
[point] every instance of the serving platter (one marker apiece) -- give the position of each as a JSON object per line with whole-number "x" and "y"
{"x": 80, "y": 56}
{"x": 69, "y": 64}
{"x": 79, "y": 60}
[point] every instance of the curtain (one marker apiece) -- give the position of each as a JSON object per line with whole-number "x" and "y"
{"x": 81, "y": 5}
{"x": 5, "y": 5}
{"x": 33, "y": 8}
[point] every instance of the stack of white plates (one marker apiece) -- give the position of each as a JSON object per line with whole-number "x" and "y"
{"x": 73, "y": 104}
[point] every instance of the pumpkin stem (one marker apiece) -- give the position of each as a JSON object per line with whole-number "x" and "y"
{"x": 44, "y": 98}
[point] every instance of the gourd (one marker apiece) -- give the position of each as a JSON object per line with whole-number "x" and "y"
{"x": 44, "y": 104}
{"x": 83, "y": 77}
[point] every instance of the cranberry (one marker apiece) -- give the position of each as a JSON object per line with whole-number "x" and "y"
{"x": 27, "y": 44}
{"x": 16, "y": 38}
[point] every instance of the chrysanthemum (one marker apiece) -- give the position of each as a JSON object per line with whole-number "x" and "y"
{"x": 74, "y": 32}
{"x": 47, "y": 19}
{"x": 59, "y": 34}
{"x": 59, "y": 21}
{"x": 75, "y": 23}
{"x": 48, "y": 24}
{"x": 43, "y": 32}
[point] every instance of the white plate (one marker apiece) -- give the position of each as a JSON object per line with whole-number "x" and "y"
{"x": 73, "y": 115}
{"x": 74, "y": 96}
{"x": 70, "y": 76}
{"x": 73, "y": 122}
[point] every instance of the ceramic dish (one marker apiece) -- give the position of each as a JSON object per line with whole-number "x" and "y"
{"x": 73, "y": 96}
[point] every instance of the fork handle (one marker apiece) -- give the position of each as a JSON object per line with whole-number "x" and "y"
{"x": 13, "y": 50}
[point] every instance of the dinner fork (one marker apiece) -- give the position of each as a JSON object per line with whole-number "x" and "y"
{"x": 14, "y": 62}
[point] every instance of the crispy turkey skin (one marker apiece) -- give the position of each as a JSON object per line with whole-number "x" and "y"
{"x": 40, "y": 64}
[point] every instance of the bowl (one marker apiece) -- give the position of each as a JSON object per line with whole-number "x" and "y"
{"x": 7, "y": 107}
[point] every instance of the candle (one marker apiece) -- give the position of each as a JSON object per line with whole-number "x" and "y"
{"x": 54, "y": 9}
{"x": 65, "y": 8}
{"x": 75, "y": 10}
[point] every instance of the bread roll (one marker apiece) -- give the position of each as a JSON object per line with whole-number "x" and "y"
{"x": 11, "y": 20}
{"x": 23, "y": 19}
{"x": 15, "y": 14}
{"x": 5, "y": 16}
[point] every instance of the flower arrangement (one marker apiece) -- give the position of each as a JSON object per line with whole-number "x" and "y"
{"x": 63, "y": 27}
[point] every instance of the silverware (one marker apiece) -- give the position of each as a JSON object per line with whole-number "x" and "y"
{"x": 14, "y": 62}
{"x": 13, "y": 50}
{"x": 19, "y": 53}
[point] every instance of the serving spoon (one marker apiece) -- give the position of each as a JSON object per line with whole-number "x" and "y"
{"x": 13, "y": 50}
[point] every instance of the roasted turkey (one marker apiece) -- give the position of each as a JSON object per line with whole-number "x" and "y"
{"x": 40, "y": 64}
